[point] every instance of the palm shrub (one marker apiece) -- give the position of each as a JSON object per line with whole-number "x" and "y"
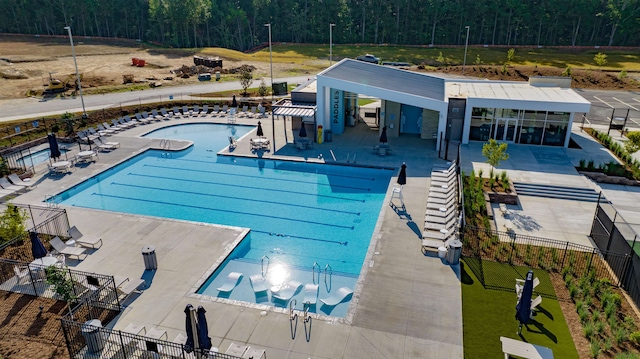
{"x": 594, "y": 348}
{"x": 587, "y": 330}
{"x": 620, "y": 336}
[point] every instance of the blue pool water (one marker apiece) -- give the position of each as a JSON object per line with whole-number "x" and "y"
{"x": 37, "y": 157}
{"x": 299, "y": 213}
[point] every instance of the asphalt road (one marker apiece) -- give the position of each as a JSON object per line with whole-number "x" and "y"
{"x": 33, "y": 107}
{"x": 608, "y": 104}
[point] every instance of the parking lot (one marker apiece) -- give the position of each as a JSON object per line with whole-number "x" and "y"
{"x": 616, "y": 104}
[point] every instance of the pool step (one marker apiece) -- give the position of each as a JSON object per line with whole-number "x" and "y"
{"x": 584, "y": 194}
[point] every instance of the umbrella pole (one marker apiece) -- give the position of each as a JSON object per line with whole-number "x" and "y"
{"x": 194, "y": 328}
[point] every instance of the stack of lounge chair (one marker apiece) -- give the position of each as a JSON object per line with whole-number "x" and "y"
{"x": 441, "y": 216}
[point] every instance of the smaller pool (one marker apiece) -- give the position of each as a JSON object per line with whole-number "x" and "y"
{"x": 38, "y": 157}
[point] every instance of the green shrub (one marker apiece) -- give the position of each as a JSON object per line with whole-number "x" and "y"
{"x": 623, "y": 74}
{"x": 590, "y": 166}
{"x": 582, "y": 164}
{"x": 610, "y": 310}
{"x": 587, "y": 330}
{"x": 573, "y": 291}
{"x": 594, "y": 348}
{"x": 620, "y": 336}
{"x": 598, "y": 326}
{"x": 607, "y": 344}
{"x": 629, "y": 323}
{"x": 635, "y": 337}
{"x": 628, "y": 355}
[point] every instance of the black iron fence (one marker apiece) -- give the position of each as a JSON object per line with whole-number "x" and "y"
{"x": 86, "y": 337}
{"x": 533, "y": 252}
{"x": 611, "y": 232}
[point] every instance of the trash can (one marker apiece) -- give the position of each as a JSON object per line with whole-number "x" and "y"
{"x": 93, "y": 335}
{"x": 453, "y": 254}
{"x": 328, "y": 136}
{"x": 442, "y": 252}
{"x": 149, "y": 256}
{"x": 217, "y": 75}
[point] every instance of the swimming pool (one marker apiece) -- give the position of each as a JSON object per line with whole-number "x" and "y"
{"x": 38, "y": 157}
{"x": 299, "y": 213}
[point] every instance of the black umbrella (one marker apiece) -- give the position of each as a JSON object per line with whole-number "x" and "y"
{"x": 189, "y": 345}
{"x": 303, "y": 130}
{"x": 383, "y": 135}
{"x": 260, "y": 133}
{"x": 402, "y": 177}
{"x": 37, "y": 248}
{"x": 53, "y": 146}
{"x": 523, "y": 308}
{"x": 203, "y": 329}
{"x": 234, "y": 103}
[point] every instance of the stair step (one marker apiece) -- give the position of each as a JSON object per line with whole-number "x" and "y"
{"x": 559, "y": 192}
{"x": 553, "y": 187}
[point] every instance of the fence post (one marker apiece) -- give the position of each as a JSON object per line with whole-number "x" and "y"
{"x": 625, "y": 269}
{"x": 33, "y": 220}
{"x": 591, "y": 259}
{"x": 613, "y": 225}
{"x": 566, "y": 249}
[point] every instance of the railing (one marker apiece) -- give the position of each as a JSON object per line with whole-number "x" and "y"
{"x": 165, "y": 144}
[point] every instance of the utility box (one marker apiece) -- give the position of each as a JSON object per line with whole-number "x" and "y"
{"x": 204, "y": 77}
{"x": 279, "y": 88}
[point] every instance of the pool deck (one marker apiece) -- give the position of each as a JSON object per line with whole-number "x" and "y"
{"x": 407, "y": 305}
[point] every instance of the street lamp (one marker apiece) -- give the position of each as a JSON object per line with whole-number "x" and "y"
{"x": 331, "y": 43}
{"x": 270, "y": 57}
{"x": 73, "y": 52}
{"x": 466, "y": 44}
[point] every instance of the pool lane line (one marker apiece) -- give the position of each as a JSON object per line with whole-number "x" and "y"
{"x": 257, "y": 177}
{"x": 231, "y": 197}
{"x": 300, "y": 237}
{"x": 222, "y": 210}
{"x": 247, "y": 187}
{"x": 284, "y": 170}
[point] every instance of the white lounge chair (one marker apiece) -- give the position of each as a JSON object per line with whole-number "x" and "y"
{"x": 258, "y": 283}
{"x": 216, "y": 110}
{"x": 19, "y": 182}
{"x": 62, "y": 248}
{"x": 176, "y": 111}
{"x": 310, "y": 294}
{"x": 107, "y": 146}
{"x": 535, "y": 303}
{"x": 186, "y": 112}
{"x": 166, "y": 115}
{"x": 21, "y": 273}
{"x": 4, "y": 183}
{"x": 80, "y": 239}
{"x": 129, "y": 287}
{"x": 288, "y": 291}
{"x": 196, "y": 111}
{"x": 205, "y": 110}
{"x": 337, "y": 297}
{"x": 231, "y": 282}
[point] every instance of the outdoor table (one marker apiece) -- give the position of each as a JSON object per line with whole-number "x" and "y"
{"x": 61, "y": 165}
{"x": 87, "y": 156}
{"x": 46, "y": 261}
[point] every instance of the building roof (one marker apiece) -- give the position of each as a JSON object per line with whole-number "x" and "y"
{"x": 295, "y": 109}
{"x": 521, "y": 91}
{"x": 387, "y": 78}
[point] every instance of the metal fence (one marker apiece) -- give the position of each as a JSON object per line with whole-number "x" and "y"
{"x": 86, "y": 337}
{"x": 533, "y": 252}
{"x": 611, "y": 232}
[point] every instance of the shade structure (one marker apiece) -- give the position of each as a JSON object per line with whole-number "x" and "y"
{"x": 191, "y": 328}
{"x": 260, "y": 133}
{"x": 402, "y": 177}
{"x": 234, "y": 102}
{"x": 383, "y": 135}
{"x": 53, "y": 146}
{"x": 523, "y": 308}
{"x": 203, "y": 329}
{"x": 37, "y": 248}
{"x": 303, "y": 130}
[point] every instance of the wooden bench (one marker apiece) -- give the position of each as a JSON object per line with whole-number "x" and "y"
{"x": 524, "y": 350}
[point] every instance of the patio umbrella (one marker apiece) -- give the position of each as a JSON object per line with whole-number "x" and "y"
{"x": 402, "y": 177}
{"x": 260, "y": 133}
{"x": 523, "y": 308}
{"x": 234, "y": 103}
{"x": 191, "y": 328}
{"x": 53, "y": 146}
{"x": 303, "y": 130}
{"x": 383, "y": 135}
{"x": 203, "y": 329}
{"x": 37, "y": 248}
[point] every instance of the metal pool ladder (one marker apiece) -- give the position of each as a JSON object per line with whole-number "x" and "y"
{"x": 313, "y": 272}
{"x": 264, "y": 270}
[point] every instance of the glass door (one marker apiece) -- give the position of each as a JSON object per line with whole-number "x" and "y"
{"x": 506, "y": 129}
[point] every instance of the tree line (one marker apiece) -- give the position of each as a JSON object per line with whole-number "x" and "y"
{"x": 239, "y": 24}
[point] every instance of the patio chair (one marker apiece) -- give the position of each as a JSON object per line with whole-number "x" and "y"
{"x": 167, "y": 115}
{"x": 126, "y": 289}
{"x": 106, "y": 146}
{"x": 231, "y": 282}
{"x": 258, "y": 283}
{"x": 19, "y": 182}
{"x": 195, "y": 111}
{"x": 62, "y": 248}
{"x": 337, "y": 297}
{"x": 21, "y": 273}
{"x": 156, "y": 116}
{"x": 310, "y": 294}
{"x": 109, "y": 127}
{"x": 176, "y": 111}
{"x": 440, "y": 212}
{"x": 5, "y": 184}
{"x": 205, "y": 111}
{"x": 288, "y": 290}
{"x": 186, "y": 112}
{"x": 80, "y": 239}
{"x": 216, "y": 110}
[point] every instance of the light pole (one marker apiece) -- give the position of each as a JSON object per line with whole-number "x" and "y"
{"x": 331, "y": 43}
{"x": 273, "y": 121}
{"x": 73, "y": 52}
{"x": 466, "y": 44}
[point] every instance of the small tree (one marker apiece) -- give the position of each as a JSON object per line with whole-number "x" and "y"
{"x": 246, "y": 78}
{"x": 600, "y": 59}
{"x": 440, "y": 59}
{"x": 62, "y": 284}
{"x": 495, "y": 152}
{"x": 567, "y": 72}
{"x": 633, "y": 145}
{"x": 12, "y": 223}
{"x": 478, "y": 60}
{"x": 68, "y": 121}
{"x": 511, "y": 54}
{"x": 263, "y": 90}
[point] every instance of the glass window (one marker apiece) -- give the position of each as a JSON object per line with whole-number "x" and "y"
{"x": 506, "y": 113}
{"x": 531, "y": 132}
{"x": 535, "y": 115}
{"x": 482, "y": 112}
{"x": 558, "y": 116}
{"x": 481, "y": 129}
{"x": 555, "y": 133}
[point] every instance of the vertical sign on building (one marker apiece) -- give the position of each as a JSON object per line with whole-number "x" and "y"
{"x": 337, "y": 111}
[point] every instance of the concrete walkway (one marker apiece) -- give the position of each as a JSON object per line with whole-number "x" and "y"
{"x": 406, "y": 304}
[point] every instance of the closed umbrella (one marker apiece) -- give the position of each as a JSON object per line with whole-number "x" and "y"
{"x": 203, "y": 329}
{"x": 523, "y": 308}
{"x": 234, "y": 103}
{"x": 383, "y": 135}
{"x": 303, "y": 130}
{"x": 37, "y": 248}
{"x": 260, "y": 133}
{"x": 402, "y": 177}
{"x": 53, "y": 146}
{"x": 191, "y": 328}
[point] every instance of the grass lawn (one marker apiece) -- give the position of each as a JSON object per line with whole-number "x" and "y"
{"x": 489, "y": 314}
